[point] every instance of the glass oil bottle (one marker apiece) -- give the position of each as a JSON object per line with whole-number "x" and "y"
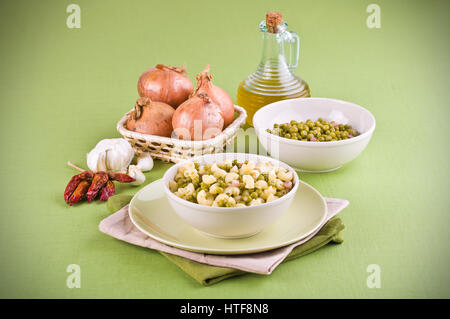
{"x": 273, "y": 79}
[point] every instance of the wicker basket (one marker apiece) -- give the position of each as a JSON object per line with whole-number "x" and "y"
{"x": 175, "y": 150}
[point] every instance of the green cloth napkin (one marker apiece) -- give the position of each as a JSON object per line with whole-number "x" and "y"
{"x": 207, "y": 275}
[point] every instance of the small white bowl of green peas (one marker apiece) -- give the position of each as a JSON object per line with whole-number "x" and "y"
{"x": 314, "y": 134}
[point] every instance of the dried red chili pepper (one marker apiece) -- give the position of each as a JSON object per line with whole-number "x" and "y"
{"x": 107, "y": 191}
{"x": 120, "y": 177}
{"x": 100, "y": 179}
{"x": 75, "y": 181}
{"x": 89, "y": 184}
{"x": 79, "y": 192}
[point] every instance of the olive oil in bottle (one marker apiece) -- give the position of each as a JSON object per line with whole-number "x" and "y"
{"x": 273, "y": 79}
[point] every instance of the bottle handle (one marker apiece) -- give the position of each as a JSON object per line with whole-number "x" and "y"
{"x": 294, "y": 48}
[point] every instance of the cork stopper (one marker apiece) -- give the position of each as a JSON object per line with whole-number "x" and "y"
{"x": 273, "y": 20}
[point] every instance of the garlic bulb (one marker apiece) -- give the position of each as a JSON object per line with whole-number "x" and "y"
{"x": 137, "y": 174}
{"x": 145, "y": 162}
{"x": 113, "y": 154}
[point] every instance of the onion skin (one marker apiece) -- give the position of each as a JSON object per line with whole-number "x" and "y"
{"x": 165, "y": 84}
{"x": 150, "y": 117}
{"x": 217, "y": 95}
{"x": 199, "y": 118}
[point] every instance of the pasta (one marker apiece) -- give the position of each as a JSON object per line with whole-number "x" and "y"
{"x": 208, "y": 179}
{"x": 248, "y": 181}
{"x": 204, "y": 199}
{"x": 271, "y": 197}
{"x": 284, "y": 174}
{"x": 230, "y": 177}
{"x": 262, "y": 184}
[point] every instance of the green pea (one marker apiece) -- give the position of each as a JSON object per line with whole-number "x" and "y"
{"x": 287, "y": 135}
{"x": 293, "y": 129}
{"x": 254, "y": 195}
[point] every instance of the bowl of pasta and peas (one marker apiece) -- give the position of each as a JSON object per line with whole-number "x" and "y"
{"x": 230, "y": 195}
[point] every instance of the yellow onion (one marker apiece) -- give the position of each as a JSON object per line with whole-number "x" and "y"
{"x": 150, "y": 117}
{"x": 165, "y": 84}
{"x": 199, "y": 118}
{"x": 217, "y": 95}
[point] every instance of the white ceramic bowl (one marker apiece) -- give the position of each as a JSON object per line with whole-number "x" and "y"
{"x": 314, "y": 156}
{"x": 229, "y": 222}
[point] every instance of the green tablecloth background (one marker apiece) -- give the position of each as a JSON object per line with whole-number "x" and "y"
{"x": 62, "y": 90}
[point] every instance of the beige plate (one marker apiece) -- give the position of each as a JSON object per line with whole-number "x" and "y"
{"x": 151, "y": 213}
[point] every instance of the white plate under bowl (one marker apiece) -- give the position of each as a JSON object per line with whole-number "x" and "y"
{"x": 151, "y": 213}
